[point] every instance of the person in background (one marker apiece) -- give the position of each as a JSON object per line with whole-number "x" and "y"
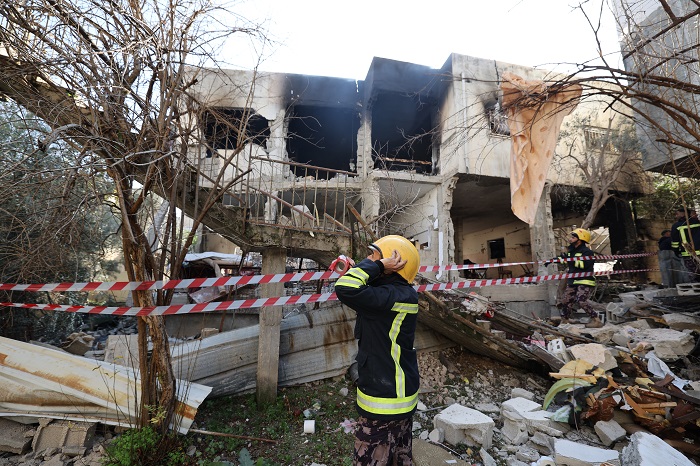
{"x": 670, "y": 264}
{"x": 379, "y": 289}
{"x": 579, "y": 290}
{"x": 689, "y": 235}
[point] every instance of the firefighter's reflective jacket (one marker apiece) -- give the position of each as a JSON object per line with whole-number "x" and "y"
{"x": 578, "y": 266}
{"x": 387, "y": 311}
{"x": 687, "y": 231}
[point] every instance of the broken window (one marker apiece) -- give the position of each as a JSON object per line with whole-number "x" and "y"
{"x": 223, "y": 127}
{"x": 323, "y": 136}
{"x": 498, "y": 122}
{"x": 402, "y": 132}
{"x": 597, "y": 139}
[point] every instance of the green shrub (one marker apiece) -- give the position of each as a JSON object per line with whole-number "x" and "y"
{"x": 145, "y": 447}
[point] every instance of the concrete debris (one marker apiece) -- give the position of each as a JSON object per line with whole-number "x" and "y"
{"x": 465, "y": 425}
{"x": 596, "y": 354}
{"x": 577, "y": 454}
{"x": 646, "y": 449}
{"x": 609, "y": 432}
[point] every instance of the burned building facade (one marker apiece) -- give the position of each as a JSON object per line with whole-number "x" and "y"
{"x": 416, "y": 151}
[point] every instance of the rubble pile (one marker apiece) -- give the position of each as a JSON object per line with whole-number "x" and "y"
{"x": 627, "y": 396}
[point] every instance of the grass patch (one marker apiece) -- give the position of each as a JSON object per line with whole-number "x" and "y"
{"x": 283, "y": 422}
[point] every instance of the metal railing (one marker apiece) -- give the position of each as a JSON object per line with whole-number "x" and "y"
{"x": 285, "y": 194}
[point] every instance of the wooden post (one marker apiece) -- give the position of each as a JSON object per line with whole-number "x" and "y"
{"x": 274, "y": 261}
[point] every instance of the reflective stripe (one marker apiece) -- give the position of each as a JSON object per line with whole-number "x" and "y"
{"x": 407, "y": 308}
{"x": 399, "y": 375}
{"x": 584, "y": 281}
{"x": 578, "y": 263}
{"x": 354, "y": 278}
{"x": 373, "y": 404}
{"x": 350, "y": 282}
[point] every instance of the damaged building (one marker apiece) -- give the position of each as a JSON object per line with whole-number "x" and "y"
{"x": 315, "y": 161}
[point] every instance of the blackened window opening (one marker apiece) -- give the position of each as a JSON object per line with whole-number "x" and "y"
{"x": 323, "y": 137}
{"x": 223, "y": 128}
{"x": 402, "y": 135}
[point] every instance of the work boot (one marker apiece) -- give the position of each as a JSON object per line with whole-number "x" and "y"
{"x": 595, "y": 323}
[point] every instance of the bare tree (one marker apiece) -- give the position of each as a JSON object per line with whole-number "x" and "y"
{"x": 605, "y": 157}
{"x": 112, "y": 79}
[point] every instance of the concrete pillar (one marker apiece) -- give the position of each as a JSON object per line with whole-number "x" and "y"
{"x": 542, "y": 239}
{"x": 541, "y": 232}
{"x": 274, "y": 261}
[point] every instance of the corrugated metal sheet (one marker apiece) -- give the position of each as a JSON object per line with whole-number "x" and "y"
{"x": 43, "y": 382}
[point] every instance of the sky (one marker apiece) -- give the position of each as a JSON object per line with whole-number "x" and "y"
{"x": 333, "y": 38}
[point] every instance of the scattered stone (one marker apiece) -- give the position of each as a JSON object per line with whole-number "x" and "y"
{"x": 527, "y": 454}
{"x": 647, "y": 449}
{"x": 520, "y": 405}
{"x": 513, "y": 461}
{"x": 577, "y": 454}
{"x": 416, "y": 426}
{"x": 487, "y": 408}
{"x": 13, "y": 438}
{"x": 609, "y": 432}
{"x": 437, "y": 436}
{"x": 465, "y": 425}
{"x": 522, "y": 393}
{"x": 486, "y": 458}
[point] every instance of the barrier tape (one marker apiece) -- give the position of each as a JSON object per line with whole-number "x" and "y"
{"x": 287, "y": 300}
{"x": 262, "y": 279}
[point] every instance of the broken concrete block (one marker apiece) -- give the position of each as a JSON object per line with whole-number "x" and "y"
{"x": 538, "y": 421}
{"x": 487, "y": 408}
{"x": 486, "y": 458}
{"x": 527, "y": 454}
{"x": 465, "y": 425}
{"x": 520, "y": 405}
{"x": 667, "y": 340}
{"x": 609, "y": 432}
{"x": 13, "y": 437}
{"x": 680, "y": 322}
{"x": 514, "y": 428}
{"x": 596, "y": 354}
{"x": 542, "y": 443}
{"x": 59, "y": 434}
{"x": 522, "y": 393}
{"x": 578, "y": 454}
{"x": 647, "y": 449}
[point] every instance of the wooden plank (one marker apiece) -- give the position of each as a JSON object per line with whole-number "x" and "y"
{"x": 435, "y": 314}
{"x": 274, "y": 261}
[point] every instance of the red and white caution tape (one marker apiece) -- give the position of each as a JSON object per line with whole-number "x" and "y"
{"x": 259, "y": 279}
{"x": 287, "y": 300}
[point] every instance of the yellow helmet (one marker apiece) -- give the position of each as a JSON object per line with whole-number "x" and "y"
{"x": 583, "y": 235}
{"x": 406, "y": 250}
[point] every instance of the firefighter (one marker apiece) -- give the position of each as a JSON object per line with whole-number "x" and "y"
{"x": 689, "y": 236}
{"x": 579, "y": 290}
{"x": 379, "y": 289}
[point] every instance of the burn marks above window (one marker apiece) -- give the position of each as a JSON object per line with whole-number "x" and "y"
{"x": 228, "y": 128}
{"x": 402, "y": 132}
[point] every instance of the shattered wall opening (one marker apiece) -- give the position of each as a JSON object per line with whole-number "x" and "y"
{"x": 323, "y": 136}
{"x": 222, "y": 128}
{"x": 402, "y": 137}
